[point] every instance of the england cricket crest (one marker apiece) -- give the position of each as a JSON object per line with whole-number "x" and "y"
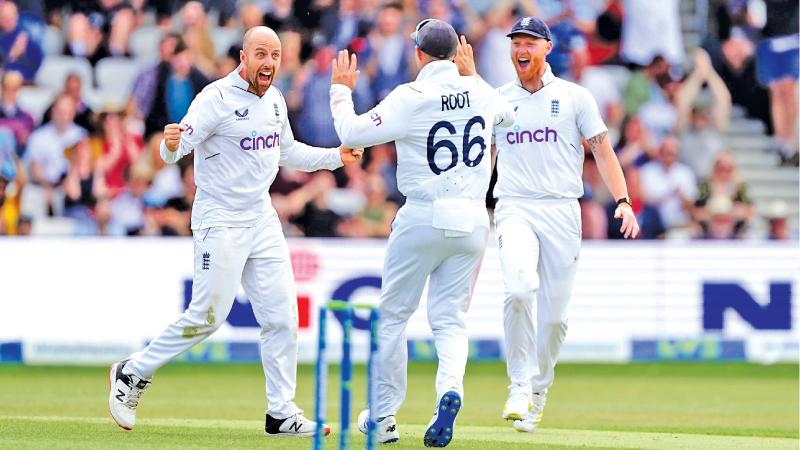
{"x": 554, "y": 107}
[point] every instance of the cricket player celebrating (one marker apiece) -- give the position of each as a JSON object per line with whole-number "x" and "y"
{"x": 240, "y": 134}
{"x": 537, "y": 218}
{"x": 442, "y": 126}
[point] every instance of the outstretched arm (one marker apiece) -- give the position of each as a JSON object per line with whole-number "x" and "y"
{"x": 300, "y": 156}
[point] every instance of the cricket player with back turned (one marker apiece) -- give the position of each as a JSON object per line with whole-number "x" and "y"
{"x": 240, "y": 134}
{"x": 537, "y": 217}
{"x": 442, "y": 125}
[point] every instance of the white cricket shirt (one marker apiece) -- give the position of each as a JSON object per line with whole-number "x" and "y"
{"x": 442, "y": 127}
{"x": 541, "y": 155}
{"x": 239, "y": 140}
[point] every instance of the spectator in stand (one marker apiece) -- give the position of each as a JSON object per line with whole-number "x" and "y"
{"x": 569, "y": 22}
{"x": 650, "y": 223}
{"x": 291, "y": 67}
{"x": 720, "y": 222}
{"x": 581, "y": 13}
{"x": 18, "y": 51}
{"x": 12, "y": 117}
{"x": 100, "y": 28}
{"x": 176, "y": 215}
{"x": 650, "y": 29}
{"x": 669, "y": 185}
{"x": 494, "y": 65}
{"x": 197, "y": 36}
{"x": 127, "y": 210}
{"x": 604, "y": 44}
{"x": 635, "y": 148}
{"x": 389, "y": 63}
{"x": 593, "y": 218}
{"x": 144, "y": 86}
{"x": 348, "y": 26}
{"x": 83, "y": 113}
{"x": 176, "y": 85}
{"x": 375, "y": 219}
{"x": 601, "y": 86}
{"x": 316, "y": 124}
{"x": 737, "y": 69}
{"x": 644, "y": 84}
{"x": 44, "y": 155}
{"x": 120, "y": 150}
{"x": 777, "y": 217}
{"x": 777, "y": 64}
{"x": 724, "y": 183}
{"x": 12, "y": 183}
{"x": 281, "y": 15}
{"x": 316, "y": 219}
{"x": 382, "y": 162}
{"x": 700, "y": 129}
{"x": 83, "y": 186}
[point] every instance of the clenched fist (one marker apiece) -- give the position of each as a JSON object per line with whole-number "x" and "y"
{"x": 351, "y": 155}
{"x": 172, "y": 135}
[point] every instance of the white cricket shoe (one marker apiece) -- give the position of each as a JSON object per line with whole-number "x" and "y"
{"x": 293, "y": 426}
{"x": 530, "y": 422}
{"x": 123, "y": 395}
{"x": 517, "y": 405}
{"x": 386, "y": 431}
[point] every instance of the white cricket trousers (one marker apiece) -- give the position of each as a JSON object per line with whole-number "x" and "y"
{"x": 418, "y": 252}
{"x": 258, "y": 258}
{"x": 539, "y": 244}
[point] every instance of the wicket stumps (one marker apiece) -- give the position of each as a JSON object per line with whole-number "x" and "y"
{"x": 345, "y": 310}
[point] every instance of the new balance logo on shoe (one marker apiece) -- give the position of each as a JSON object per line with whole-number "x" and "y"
{"x": 120, "y": 396}
{"x": 391, "y": 428}
{"x": 295, "y": 426}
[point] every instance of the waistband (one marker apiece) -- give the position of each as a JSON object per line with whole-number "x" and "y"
{"x": 537, "y": 201}
{"x": 429, "y": 203}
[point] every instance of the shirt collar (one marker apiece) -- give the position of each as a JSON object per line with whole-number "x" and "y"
{"x": 437, "y": 69}
{"x": 547, "y": 77}
{"x": 236, "y": 80}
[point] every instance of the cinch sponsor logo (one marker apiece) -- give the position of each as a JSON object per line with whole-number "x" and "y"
{"x": 255, "y": 142}
{"x": 521, "y": 137}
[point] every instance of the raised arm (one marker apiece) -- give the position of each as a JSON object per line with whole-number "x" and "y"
{"x": 384, "y": 123}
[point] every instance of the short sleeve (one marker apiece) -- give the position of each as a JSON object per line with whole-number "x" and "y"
{"x": 587, "y": 115}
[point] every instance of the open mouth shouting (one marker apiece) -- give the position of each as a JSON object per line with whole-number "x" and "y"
{"x": 264, "y": 76}
{"x": 523, "y": 62}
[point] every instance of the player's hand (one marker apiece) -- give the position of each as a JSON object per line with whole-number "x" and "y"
{"x": 630, "y": 226}
{"x": 344, "y": 70}
{"x": 465, "y": 59}
{"x": 172, "y": 135}
{"x": 351, "y": 155}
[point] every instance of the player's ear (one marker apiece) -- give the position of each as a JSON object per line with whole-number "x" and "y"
{"x": 549, "y": 47}
{"x": 242, "y": 56}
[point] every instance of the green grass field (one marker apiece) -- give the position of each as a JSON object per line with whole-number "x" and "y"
{"x": 702, "y": 406}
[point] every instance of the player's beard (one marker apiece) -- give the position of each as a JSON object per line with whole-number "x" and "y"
{"x": 254, "y": 83}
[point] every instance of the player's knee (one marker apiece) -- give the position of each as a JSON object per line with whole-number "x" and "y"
{"x": 520, "y": 295}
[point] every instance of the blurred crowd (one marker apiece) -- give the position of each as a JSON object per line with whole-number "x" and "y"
{"x": 90, "y": 166}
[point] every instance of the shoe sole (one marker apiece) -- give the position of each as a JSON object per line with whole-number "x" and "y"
{"x": 440, "y": 433}
{"x": 111, "y": 379}
{"x": 297, "y": 435}
{"x": 513, "y": 416}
